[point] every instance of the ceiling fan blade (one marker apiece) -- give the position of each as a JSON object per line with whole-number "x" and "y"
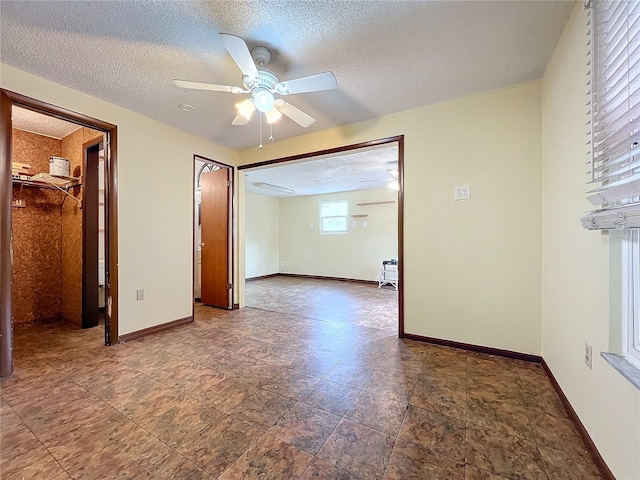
{"x": 242, "y": 119}
{"x": 295, "y": 114}
{"x": 312, "y": 83}
{"x": 240, "y": 53}
{"x": 208, "y": 86}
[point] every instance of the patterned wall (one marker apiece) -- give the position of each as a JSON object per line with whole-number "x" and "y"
{"x": 72, "y": 228}
{"x": 37, "y": 257}
{"x": 47, "y": 234}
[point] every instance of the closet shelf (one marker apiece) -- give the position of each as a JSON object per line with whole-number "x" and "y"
{"x": 62, "y": 185}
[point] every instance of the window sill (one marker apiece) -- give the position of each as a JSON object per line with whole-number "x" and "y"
{"x": 623, "y": 367}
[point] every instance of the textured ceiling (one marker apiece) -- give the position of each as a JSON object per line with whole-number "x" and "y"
{"x": 30, "y": 121}
{"x": 388, "y": 56}
{"x": 363, "y": 168}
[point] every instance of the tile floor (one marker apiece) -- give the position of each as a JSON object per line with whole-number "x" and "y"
{"x": 350, "y": 302}
{"x": 252, "y": 393}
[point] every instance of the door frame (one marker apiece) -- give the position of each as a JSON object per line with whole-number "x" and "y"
{"x": 232, "y": 235}
{"x": 399, "y": 139}
{"x": 7, "y": 100}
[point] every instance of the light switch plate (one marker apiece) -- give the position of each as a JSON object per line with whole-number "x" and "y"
{"x": 461, "y": 192}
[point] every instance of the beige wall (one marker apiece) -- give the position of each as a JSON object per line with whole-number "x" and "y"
{"x": 575, "y": 298}
{"x": 472, "y": 268}
{"x": 357, "y": 254}
{"x": 155, "y": 188}
{"x": 262, "y": 236}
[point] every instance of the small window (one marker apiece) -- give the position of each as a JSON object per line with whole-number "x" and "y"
{"x": 631, "y": 303}
{"x": 333, "y": 217}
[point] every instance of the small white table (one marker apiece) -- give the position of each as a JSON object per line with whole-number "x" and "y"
{"x": 388, "y": 275}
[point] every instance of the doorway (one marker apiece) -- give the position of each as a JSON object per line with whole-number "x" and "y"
{"x": 213, "y": 233}
{"x": 358, "y": 218}
{"x": 93, "y": 233}
{"x": 84, "y": 178}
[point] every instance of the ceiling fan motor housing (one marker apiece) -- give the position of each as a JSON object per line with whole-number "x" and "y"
{"x": 261, "y": 55}
{"x": 266, "y": 79}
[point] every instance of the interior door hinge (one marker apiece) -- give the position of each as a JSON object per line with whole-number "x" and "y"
{"x": 228, "y": 183}
{"x": 229, "y": 286}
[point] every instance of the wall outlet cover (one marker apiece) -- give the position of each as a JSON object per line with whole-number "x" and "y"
{"x": 461, "y": 192}
{"x": 588, "y": 355}
{"x": 140, "y": 295}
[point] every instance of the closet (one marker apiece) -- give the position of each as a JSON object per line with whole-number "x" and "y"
{"x": 49, "y": 218}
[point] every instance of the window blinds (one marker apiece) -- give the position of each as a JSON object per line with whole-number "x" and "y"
{"x": 615, "y": 115}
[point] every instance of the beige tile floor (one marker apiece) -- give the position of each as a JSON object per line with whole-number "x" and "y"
{"x": 322, "y": 299}
{"x": 258, "y": 394}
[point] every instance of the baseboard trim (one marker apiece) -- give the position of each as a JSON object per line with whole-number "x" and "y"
{"x": 261, "y": 277}
{"x": 127, "y": 337}
{"x": 527, "y": 357}
{"x": 586, "y": 438}
{"x": 320, "y": 277}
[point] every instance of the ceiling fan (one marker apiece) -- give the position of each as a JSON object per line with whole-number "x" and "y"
{"x": 263, "y": 85}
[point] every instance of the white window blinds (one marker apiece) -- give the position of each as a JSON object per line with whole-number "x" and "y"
{"x": 615, "y": 115}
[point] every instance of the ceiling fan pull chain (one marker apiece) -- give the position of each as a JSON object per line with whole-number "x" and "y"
{"x": 260, "y": 146}
{"x": 271, "y": 132}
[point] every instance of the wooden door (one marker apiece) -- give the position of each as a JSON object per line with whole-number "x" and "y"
{"x": 214, "y": 238}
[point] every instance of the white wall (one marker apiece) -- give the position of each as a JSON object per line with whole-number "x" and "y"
{"x": 155, "y": 201}
{"x": 262, "y": 236}
{"x": 472, "y": 268}
{"x": 575, "y": 295}
{"x": 357, "y": 254}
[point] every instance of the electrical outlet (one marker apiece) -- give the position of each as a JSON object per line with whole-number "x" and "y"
{"x": 310, "y": 225}
{"x": 288, "y": 264}
{"x": 282, "y": 264}
{"x": 588, "y": 355}
{"x": 18, "y": 203}
{"x": 140, "y": 294}
{"x": 461, "y": 192}
{"x": 354, "y": 223}
{"x": 364, "y": 223}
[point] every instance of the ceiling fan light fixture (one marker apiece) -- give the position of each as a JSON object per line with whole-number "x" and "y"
{"x": 273, "y": 116}
{"x": 246, "y": 108}
{"x": 263, "y": 99}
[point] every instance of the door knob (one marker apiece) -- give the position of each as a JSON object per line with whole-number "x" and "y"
{"x": 202, "y": 245}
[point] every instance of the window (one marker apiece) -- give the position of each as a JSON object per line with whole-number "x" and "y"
{"x": 631, "y": 292}
{"x": 333, "y": 217}
{"x": 615, "y": 115}
{"x": 615, "y": 155}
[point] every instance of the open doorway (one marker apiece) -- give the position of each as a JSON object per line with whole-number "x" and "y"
{"x": 58, "y": 229}
{"x": 213, "y": 233}
{"x": 323, "y": 235}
